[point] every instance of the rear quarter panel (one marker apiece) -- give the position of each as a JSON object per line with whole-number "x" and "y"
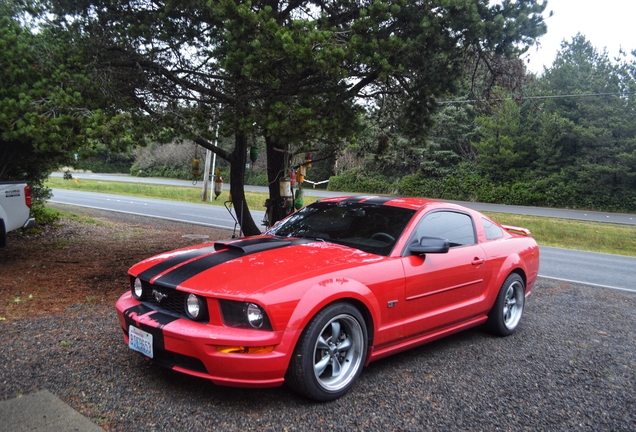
{"x": 513, "y": 254}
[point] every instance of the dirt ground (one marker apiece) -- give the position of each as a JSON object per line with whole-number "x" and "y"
{"x": 83, "y": 260}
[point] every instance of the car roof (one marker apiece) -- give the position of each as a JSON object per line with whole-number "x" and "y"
{"x": 413, "y": 203}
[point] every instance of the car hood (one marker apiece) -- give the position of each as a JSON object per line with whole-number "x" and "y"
{"x": 240, "y": 268}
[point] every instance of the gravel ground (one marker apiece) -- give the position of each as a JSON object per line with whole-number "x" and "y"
{"x": 571, "y": 365}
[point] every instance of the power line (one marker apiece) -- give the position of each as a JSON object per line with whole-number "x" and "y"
{"x": 622, "y": 94}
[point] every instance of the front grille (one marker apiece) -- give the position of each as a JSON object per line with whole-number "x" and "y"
{"x": 168, "y": 300}
{"x": 165, "y": 298}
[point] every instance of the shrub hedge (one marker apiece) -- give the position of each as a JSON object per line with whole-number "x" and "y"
{"x": 563, "y": 190}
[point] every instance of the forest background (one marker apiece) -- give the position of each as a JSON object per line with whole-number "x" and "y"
{"x": 565, "y": 138}
{"x": 490, "y": 132}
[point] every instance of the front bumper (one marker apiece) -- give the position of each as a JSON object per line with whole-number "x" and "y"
{"x": 191, "y": 347}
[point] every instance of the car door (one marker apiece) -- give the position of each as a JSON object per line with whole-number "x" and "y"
{"x": 442, "y": 289}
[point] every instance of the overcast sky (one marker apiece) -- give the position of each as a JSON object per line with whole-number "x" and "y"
{"x": 607, "y": 24}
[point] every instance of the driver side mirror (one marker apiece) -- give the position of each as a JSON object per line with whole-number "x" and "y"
{"x": 429, "y": 245}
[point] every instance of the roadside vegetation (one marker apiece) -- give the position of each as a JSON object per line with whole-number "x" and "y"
{"x": 565, "y": 139}
{"x": 587, "y": 236}
{"x": 571, "y": 234}
{"x": 389, "y": 97}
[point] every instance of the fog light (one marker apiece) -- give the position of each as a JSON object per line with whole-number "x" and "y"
{"x": 193, "y": 306}
{"x": 244, "y": 349}
{"x": 138, "y": 289}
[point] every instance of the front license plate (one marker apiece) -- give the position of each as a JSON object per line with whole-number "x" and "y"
{"x": 140, "y": 340}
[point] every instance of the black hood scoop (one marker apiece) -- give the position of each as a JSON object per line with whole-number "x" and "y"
{"x": 254, "y": 245}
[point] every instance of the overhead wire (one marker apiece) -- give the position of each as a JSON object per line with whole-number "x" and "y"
{"x": 540, "y": 97}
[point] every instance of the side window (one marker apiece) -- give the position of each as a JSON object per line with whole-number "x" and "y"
{"x": 492, "y": 230}
{"x": 456, "y": 227}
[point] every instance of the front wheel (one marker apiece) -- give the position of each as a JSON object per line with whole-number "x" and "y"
{"x": 505, "y": 315}
{"x": 330, "y": 353}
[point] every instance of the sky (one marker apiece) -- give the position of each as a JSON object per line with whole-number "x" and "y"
{"x": 607, "y": 24}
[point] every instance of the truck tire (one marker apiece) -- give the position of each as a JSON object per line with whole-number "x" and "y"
{"x": 3, "y": 234}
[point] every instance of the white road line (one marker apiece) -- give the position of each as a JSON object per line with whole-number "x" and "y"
{"x": 146, "y": 215}
{"x": 203, "y": 217}
{"x": 589, "y": 283}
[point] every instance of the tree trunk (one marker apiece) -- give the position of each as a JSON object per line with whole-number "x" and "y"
{"x": 237, "y": 187}
{"x": 275, "y": 170}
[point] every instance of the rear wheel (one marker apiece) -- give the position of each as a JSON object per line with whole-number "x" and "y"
{"x": 330, "y": 353}
{"x": 506, "y": 314}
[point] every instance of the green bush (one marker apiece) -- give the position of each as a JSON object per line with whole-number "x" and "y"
{"x": 360, "y": 181}
{"x": 102, "y": 160}
{"x": 42, "y": 215}
{"x": 561, "y": 190}
{"x": 255, "y": 178}
{"x": 178, "y": 172}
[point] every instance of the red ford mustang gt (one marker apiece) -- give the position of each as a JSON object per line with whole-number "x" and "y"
{"x": 334, "y": 286}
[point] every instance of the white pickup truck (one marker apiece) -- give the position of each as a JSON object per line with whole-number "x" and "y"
{"x": 15, "y": 205}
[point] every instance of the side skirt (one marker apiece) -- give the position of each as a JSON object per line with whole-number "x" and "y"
{"x": 424, "y": 339}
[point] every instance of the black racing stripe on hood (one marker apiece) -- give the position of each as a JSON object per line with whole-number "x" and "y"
{"x": 161, "y": 267}
{"x": 226, "y": 252}
{"x": 183, "y": 273}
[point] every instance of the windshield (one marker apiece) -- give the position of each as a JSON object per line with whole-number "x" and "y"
{"x": 369, "y": 227}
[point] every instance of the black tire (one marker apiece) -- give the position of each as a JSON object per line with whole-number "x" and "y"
{"x": 3, "y": 234}
{"x": 330, "y": 353}
{"x": 506, "y": 314}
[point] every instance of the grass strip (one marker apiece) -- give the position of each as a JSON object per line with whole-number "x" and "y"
{"x": 572, "y": 234}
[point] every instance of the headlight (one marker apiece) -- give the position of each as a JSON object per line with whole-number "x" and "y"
{"x": 244, "y": 315}
{"x": 194, "y": 306}
{"x": 137, "y": 289}
{"x": 255, "y": 315}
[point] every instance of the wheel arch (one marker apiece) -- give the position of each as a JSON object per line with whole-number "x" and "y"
{"x": 357, "y": 295}
{"x": 513, "y": 264}
{"x": 522, "y": 274}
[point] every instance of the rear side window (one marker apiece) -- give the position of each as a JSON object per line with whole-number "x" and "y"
{"x": 456, "y": 227}
{"x": 491, "y": 229}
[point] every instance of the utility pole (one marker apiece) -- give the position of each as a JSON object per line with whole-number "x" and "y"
{"x": 206, "y": 174}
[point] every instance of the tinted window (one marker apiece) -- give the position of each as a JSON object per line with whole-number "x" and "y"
{"x": 369, "y": 227}
{"x": 457, "y": 228}
{"x": 492, "y": 230}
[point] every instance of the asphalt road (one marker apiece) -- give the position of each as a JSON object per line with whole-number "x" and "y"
{"x": 201, "y": 214}
{"x": 594, "y": 269}
{"x": 617, "y": 218}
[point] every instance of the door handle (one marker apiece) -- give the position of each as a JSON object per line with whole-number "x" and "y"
{"x": 478, "y": 261}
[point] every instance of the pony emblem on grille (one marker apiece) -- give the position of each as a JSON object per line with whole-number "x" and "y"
{"x": 158, "y": 295}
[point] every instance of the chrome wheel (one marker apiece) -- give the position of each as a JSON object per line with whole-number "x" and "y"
{"x": 330, "y": 353}
{"x": 513, "y": 305}
{"x": 338, "y": 352}
{"x": 505, "y": 315}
